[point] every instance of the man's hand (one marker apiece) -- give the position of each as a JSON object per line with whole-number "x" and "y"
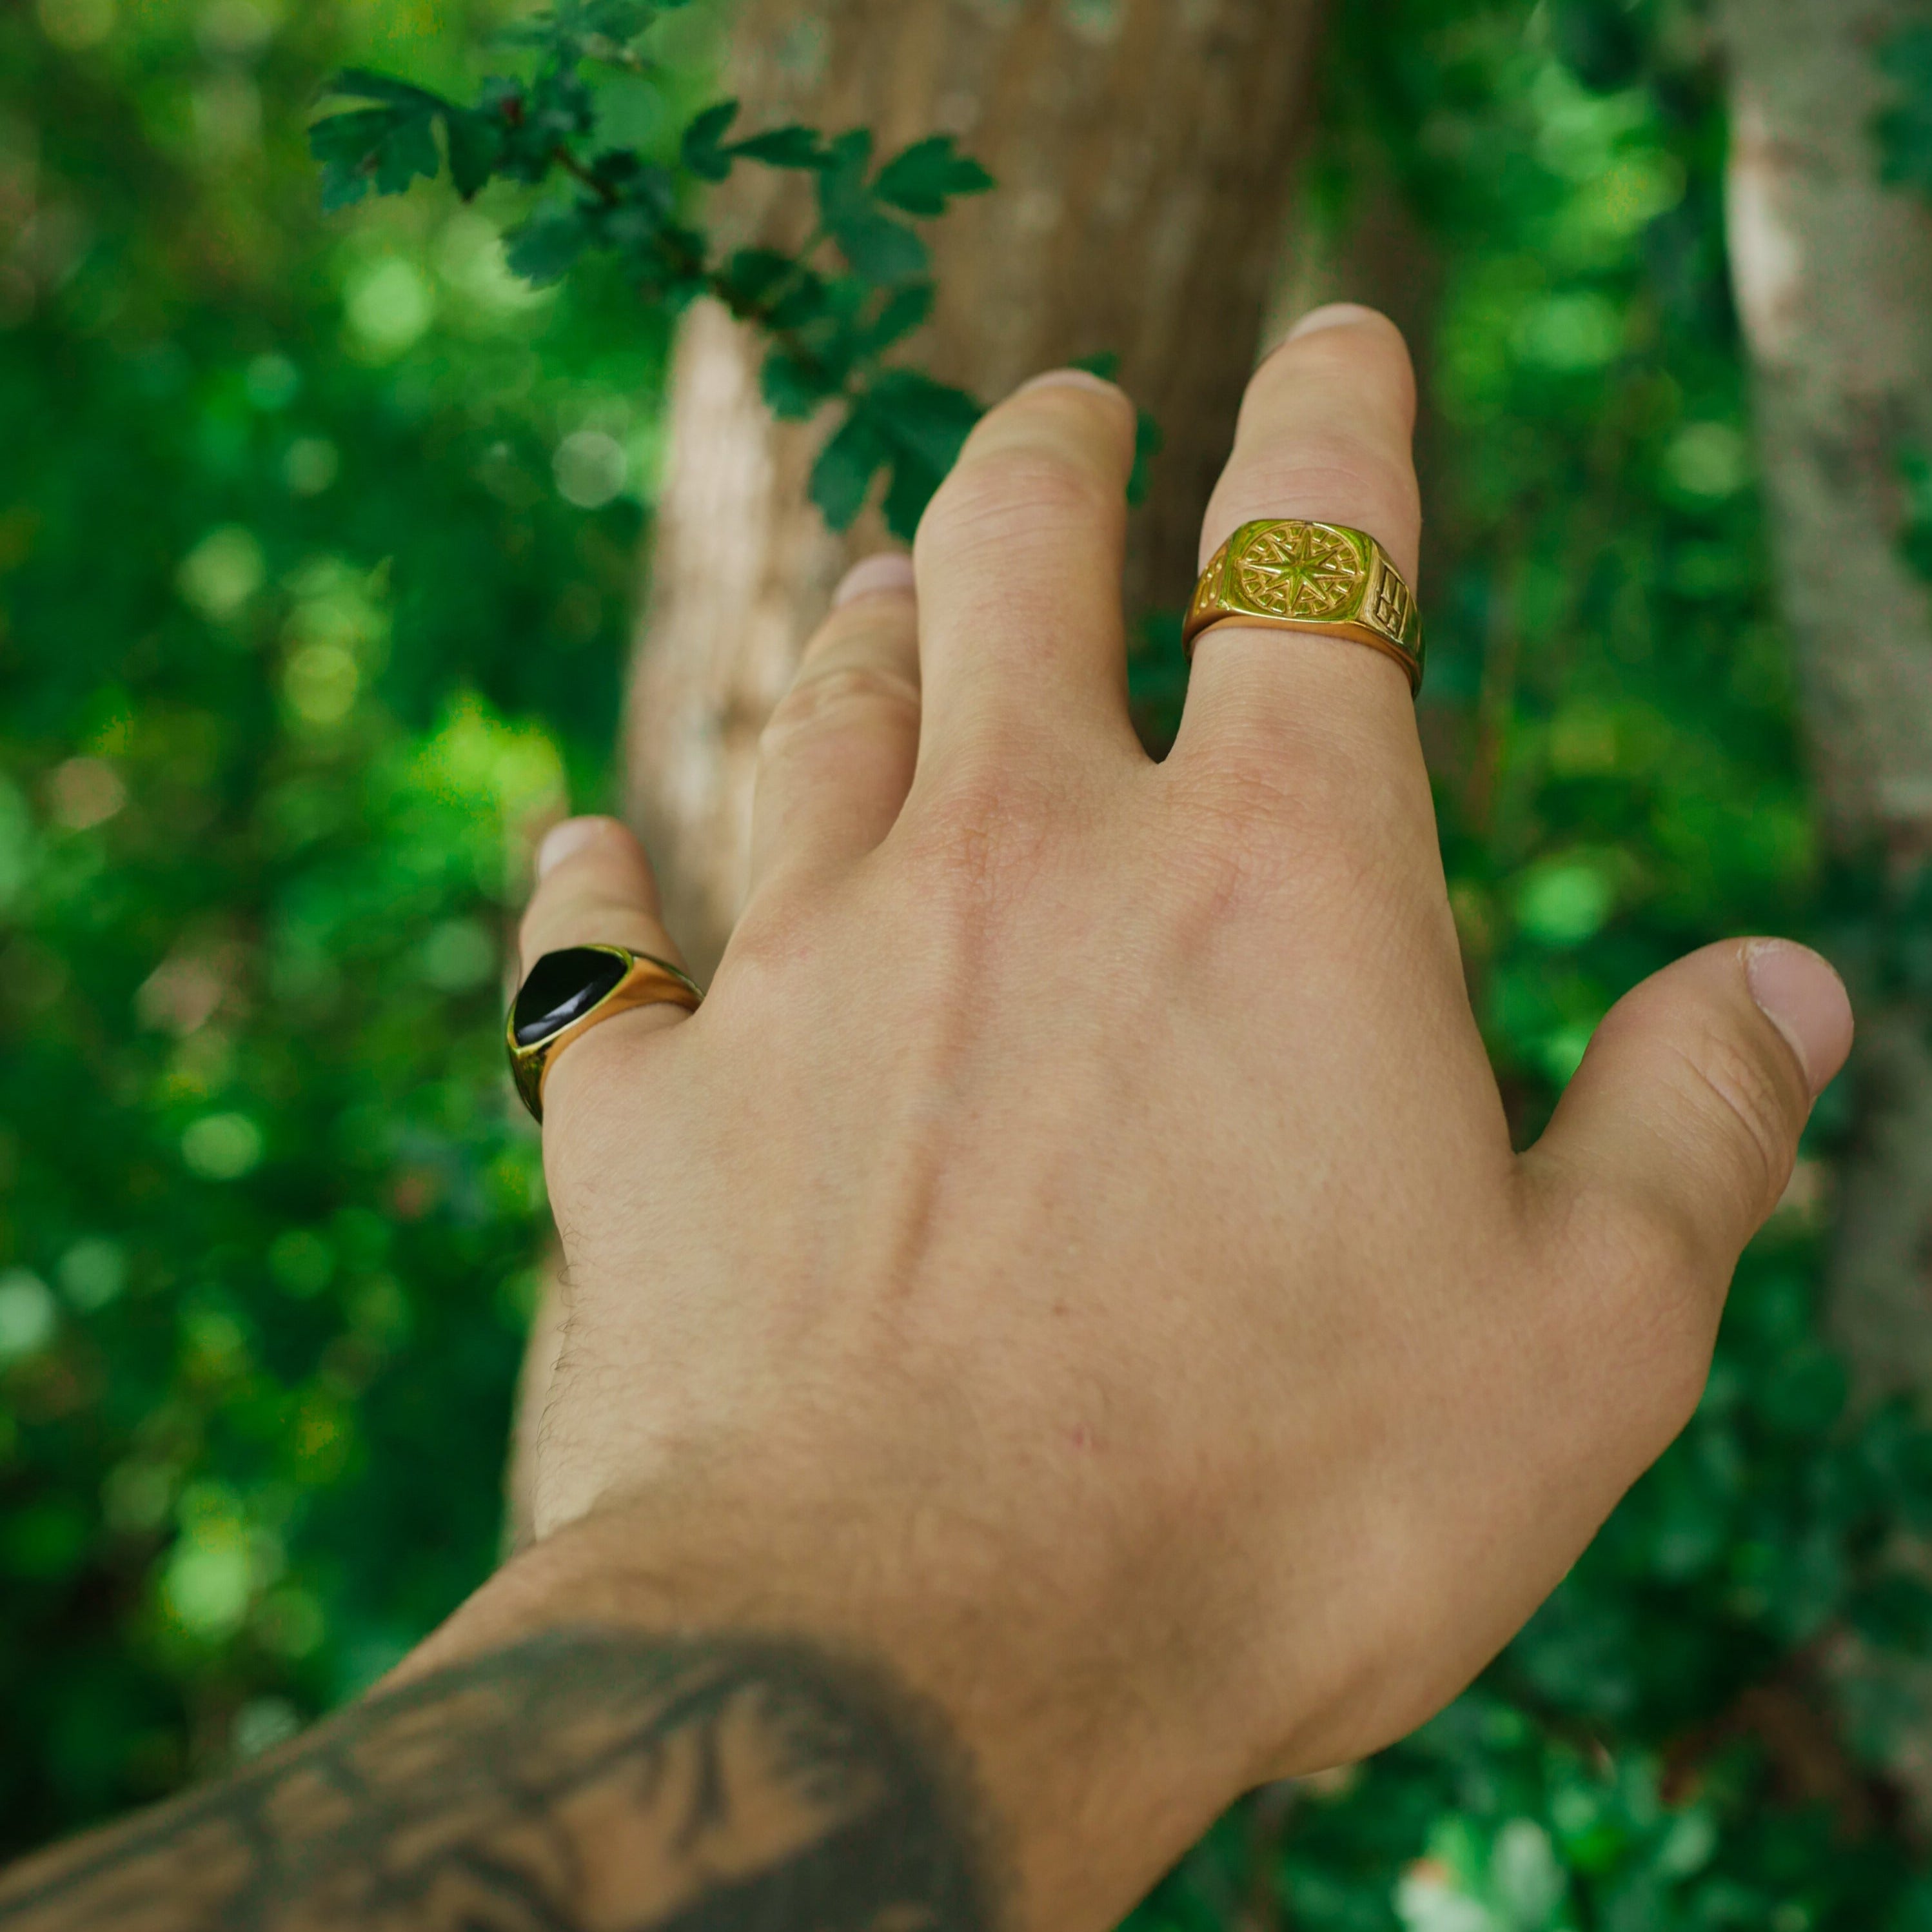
{"x": 1076, "y": 1259}
{"x": 1077, "y": 1251}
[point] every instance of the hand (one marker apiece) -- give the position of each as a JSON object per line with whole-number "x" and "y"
{"x": 1077, "y": 1251}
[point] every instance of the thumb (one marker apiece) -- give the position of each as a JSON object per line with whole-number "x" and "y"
{"x": 1681, "y": 1125}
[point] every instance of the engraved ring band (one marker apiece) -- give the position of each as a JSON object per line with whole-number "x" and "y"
{"x": 1290, "y": 574}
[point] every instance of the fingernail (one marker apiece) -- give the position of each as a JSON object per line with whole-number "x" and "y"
{"x": 1803, "y": 997}
{"x": 1074, "y": 379}
{"x": 890, "y": 570}
{"x": 1332, "y": 315}
{"x": 562, "y": 841}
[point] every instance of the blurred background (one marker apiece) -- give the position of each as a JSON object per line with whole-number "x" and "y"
{"x": 329, "y": 550}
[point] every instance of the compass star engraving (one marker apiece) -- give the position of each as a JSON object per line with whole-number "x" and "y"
{"x": 1304, "y": 570}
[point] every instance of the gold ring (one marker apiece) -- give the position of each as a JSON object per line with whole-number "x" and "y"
{"x": 1293, "y": 575}
{"x": 569, "y": 992}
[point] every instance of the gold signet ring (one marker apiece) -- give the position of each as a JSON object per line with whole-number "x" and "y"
{"x": 1291, "y": 575}
{"x": 569, "y": 992}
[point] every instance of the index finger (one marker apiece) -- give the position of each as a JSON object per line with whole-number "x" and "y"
{"x": 1325, "y": 433}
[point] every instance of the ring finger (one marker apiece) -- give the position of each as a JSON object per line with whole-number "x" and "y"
{"x": 594, "y": 888}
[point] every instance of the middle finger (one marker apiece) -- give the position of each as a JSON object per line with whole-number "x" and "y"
{"x": 1019, "y": 564}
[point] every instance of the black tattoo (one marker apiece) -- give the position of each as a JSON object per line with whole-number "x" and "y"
{"x": 580, "y": 1782}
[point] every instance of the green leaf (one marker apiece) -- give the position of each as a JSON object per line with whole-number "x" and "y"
{"x": 925, "y": 423}
{"x": 389, "y": 146}
{"x": 913, "y": 487}
{"x": 749, "y": 276}
{"x": 476, "y": 145}
{"x": 775, "y": 289}
{"x": 631, "y": 228}
{"x": 548, "y": 245}
{"x": 805, "y": 302}
{"x": 362, "y": 83}
{"x": 384, "y": 148}
{"x": 1106, "y": 365}
{"x": 925, "y": 418}
{"x": 701, "y": 149}
{"x": 927, "y": 174}
{"x": 905, "y": 310}
{"x": 842, "y": 477}
{"x": 788, "y": 147}
{"x": 880, "y": 250}
{"x": 753, "y": 272}
{"x": 560, "y": 107}
{"x": 679, "y": 271}
{"x": 793, "y": 387}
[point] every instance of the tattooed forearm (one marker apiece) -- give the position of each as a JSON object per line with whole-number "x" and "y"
{"x": 580, "y": 1781}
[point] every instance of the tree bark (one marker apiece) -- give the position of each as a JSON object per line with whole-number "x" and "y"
{"x": 1833, "y": 277}
{"x": 1144, "y": 150}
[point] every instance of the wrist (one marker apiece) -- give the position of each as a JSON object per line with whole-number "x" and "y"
{"x": 1090, "y": 1784}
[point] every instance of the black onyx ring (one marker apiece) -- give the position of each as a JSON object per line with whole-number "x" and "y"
{"x": 569, "y": 992}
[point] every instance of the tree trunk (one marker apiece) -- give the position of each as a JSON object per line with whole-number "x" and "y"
{"x": 1144, "y": 150}
{"x": 1834, "y": 276}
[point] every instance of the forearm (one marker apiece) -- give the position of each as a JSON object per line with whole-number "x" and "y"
{"x": 577, "y": 1749}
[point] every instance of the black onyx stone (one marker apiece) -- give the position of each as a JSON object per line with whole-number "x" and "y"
{"x": 563, "y": 987}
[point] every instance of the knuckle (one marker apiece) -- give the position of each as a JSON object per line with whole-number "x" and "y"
{"x": 1730, "y": 1086}
{"x": 838, "y": 697}
{"x": 1261, "y": 829}
{"x": 778, "y": 929}
{"x": 1012, "y": 494}
{"x": 984, "y": 835}
{"x": 1221, "y": 866}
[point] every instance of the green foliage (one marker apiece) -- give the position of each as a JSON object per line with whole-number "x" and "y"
{"x": 832, "y": 309}
{"x": 1904, "y": 130}
{"x": 315, "y": 546}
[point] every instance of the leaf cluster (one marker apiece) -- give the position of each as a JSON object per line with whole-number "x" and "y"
{"x": 832, "y": 310}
